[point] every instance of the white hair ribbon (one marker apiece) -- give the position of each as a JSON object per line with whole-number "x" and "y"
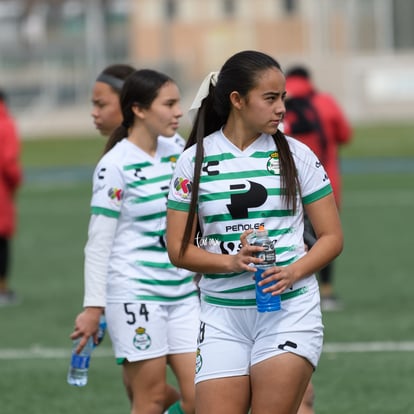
{"x": 203, "y": 90}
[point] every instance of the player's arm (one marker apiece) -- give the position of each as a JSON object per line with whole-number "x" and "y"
{"x": 326, "y": 223}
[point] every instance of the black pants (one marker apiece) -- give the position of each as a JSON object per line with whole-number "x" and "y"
{"x": 4, "y": 256}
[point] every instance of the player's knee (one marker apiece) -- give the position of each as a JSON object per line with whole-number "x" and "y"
{"x": 309, "y": 396}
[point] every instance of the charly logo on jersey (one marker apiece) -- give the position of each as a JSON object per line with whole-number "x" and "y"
{"x": 199, "y": 361}
{"x": 142, "y": 340}
{"x": 115, "y": 194}
{"x": 182, "y": 187}
{"x": 273, "y": 163}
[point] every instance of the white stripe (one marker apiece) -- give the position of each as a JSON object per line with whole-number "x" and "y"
{"x": 368, "y": 347}
{"x": 38, "y": 352}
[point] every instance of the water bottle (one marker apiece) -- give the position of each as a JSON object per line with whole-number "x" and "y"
{"x": 79, "y": 363}
{"x": 101, "y": 329}
{"x": 266, "y": 302}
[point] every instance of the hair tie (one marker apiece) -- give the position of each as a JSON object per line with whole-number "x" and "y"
{"x": 203, "y": 90}
{"x": 116, "y": 83}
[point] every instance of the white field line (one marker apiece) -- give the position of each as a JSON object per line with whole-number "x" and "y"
{"x": 39, "y": 352}
{"x": 341, "y": 347}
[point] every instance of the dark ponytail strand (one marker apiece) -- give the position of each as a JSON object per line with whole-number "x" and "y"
{"x": 289, "y": 174}
{"x": 206, "y": 122}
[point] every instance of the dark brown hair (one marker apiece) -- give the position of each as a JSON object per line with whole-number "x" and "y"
{"x": 140, "y": 88}
{"x": 239, "y": 73}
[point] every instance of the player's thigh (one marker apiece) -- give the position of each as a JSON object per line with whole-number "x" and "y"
{"x": 223, "y": 395}
{"x": 183, "y": 366}
{"x": 146, "y": 379}
{"x": 279, "y": 381}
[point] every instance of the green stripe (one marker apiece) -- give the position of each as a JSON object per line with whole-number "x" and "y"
{"x": 156, "y": 265}
{"x": 150, "y": 197}
{"x": 153, "y": 180}
{"x": 250, "y": 302}
{"x": 252, "y": 215}
{"x": 287, "y": 262}
{"x": 235, "y": 237}
{"x": 170, "y": 158}
{"x": 166, "y": 282}
{"x": 164, "y": 299}
{"x": 175, "y": 205}
{"x": 323, "y": 192}
{"x": 157, "y": 233}
{"x": 218, "y": 157}
{"x": 151, "y": 216}
{"x": 137, "y": 166}
{"x": 229, "y": 156}
{"x": 221, "y": 275}
{"x": 152, "y": 249}
{"x": 229, "y": 275}
{"x": 235, "y": 175}
{"x": 105, "y": 212}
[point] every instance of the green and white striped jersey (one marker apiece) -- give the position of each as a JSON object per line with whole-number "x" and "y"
{"x": 131, "y": 186}
{"x": 240, "y": 190}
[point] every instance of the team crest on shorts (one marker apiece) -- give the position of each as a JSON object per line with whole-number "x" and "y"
{"x": 142, "y": 340}
{"x": 199, "y": 361}
{"x": 273, "y": 163}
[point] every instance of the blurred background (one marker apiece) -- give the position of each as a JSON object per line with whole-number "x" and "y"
{"x": 362, "y": 51}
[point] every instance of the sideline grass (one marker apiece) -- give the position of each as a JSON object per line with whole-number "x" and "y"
{"x": 387, "y": 140}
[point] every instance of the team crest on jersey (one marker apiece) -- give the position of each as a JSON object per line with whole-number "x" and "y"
{"x": 142, "y": 340}
{"x": 182, "y": 187}
{"x": 115, "y": 194}
{"x": 273, "y": 164}
{"x": 199, "y": 361}
{"x": 173, "y": 161}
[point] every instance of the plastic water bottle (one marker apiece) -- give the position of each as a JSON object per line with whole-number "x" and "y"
{"x": 102, "y": 328}
{"x": 266, "y": 302}
{"x": 79, "y": 363}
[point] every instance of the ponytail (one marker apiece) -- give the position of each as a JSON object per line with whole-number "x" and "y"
{"x": 116, "y": 136}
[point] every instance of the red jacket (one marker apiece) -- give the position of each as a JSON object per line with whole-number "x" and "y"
{"x": 10, "y": 171}
{"x": 336, "y": 127}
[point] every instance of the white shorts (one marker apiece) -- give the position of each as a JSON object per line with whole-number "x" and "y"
{"x": 233, "y": 339}
{"x": 141, "y": 331}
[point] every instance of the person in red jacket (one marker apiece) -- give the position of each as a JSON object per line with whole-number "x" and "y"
{"x": 316, "y": 119}
{"x": 10, "y": 180}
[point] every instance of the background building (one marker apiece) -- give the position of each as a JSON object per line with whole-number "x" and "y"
{"x": 362, "y": 51}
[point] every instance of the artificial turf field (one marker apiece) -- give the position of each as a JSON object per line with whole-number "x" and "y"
{"x": 368, "y": 362}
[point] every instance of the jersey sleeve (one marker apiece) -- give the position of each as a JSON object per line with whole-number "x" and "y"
{"x": 179, "y": 196}
{"x": 108, "y": 189}
{"x": 101, "y": 234}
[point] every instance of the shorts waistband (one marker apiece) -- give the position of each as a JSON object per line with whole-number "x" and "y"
{"x": 251, "y": 302}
